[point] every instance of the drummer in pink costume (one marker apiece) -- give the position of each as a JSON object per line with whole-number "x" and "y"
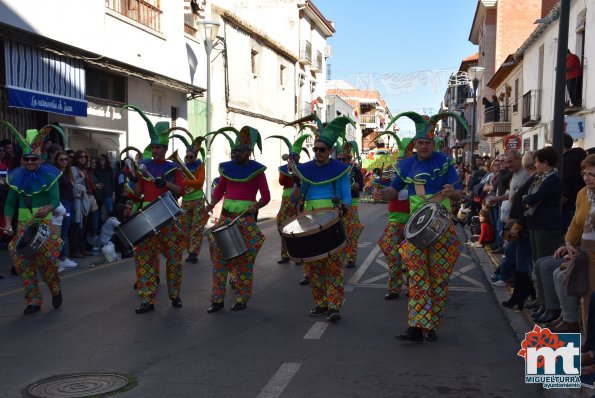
{"x": 427, "y": 175}
{"x": 240, "y": 180}
{"x": 326, "y": 185}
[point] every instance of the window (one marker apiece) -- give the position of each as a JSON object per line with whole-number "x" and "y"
{"x": 282, "y": 75}
{"x": 105, "y": 85}
{"x": 253, "y": 62}
{"x": 515, "y": 106}
{"x": 145, "y": 12}
{"x": 535, "y": 141}
{"x": 174, "y": 116}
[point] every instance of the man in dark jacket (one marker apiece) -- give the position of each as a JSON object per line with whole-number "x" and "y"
{"x": 573, "y": 180}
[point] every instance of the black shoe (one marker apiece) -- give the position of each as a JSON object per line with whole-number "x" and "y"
{"x": 177, "y": 302}
{"x": 548, "y": 316}
{"x": 192, "y": 258}
{"x": 350, "y": 264}
{"x": 284, "y": 260}
{"x": 13, "y": 271}
{"x": 511, "y": 302}
{"x": 31, "y": 309}
{"x": 57, "y": 300}
{"x": 414, "y": 335}
{"x": 532, "y": 305}
{"x": 135, "y": 286}
{"x": 144, "y": 308}
{"x": 318, "y": 311}
{"x": 304, "y": 282}
{"x": 391, "y": 296}
{"x": 215, "y": 307}
{"x": 430, "y": 335}
{"x": 238, "y": 306}
{"x": 539, "y": 312}
{"x": 333, "y": 316}
{"x": 232, "y": 284}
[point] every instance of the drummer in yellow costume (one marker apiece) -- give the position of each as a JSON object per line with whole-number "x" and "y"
{"x": 325, "y": 185}
{"x": 426, "y": 174}
{"x": 34, "y": 189}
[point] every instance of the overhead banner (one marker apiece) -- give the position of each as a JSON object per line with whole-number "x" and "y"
{"x": 44, "y": 81}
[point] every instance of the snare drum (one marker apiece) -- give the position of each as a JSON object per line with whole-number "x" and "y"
{"x": 426, "y": 225}
{"x": 229, "y": 240}
{"x": 313, "y": 236}
{"x": 33, "y": 239}
{"x": 147, "y": 221}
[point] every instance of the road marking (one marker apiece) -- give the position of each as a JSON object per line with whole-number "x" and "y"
{"x": 280, "y": 380}
{"x": 362, "y": 268}
{"x": 382, "y": 263}
{"x": 316, "y": 331}
{"x": 472, "y": 281}
{"x": 450, "y": 288}
{"x": 363, "y": 244}
{"x": 375, "y": 278}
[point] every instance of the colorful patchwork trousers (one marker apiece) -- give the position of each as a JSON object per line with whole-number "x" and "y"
{"x": 353, "y": 230}
{"x": 193, "y": 222}
{"x": 45, "y": 260}
{"x": 170, "y": 242}
{"x": 326, "y": 280}
{"x": 286, "y": 211}
{"x": 429, "y": 272}
{"x": 241, "y": 267}
{"x": 389, "y": 243}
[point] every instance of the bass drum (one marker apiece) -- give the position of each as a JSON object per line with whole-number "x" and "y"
{"x": 313, "y": 236}
{"x": 426, "y": 225}
{"x": 147, "y": 221}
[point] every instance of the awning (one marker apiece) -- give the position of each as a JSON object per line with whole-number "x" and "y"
{"x": 43, "y": 81}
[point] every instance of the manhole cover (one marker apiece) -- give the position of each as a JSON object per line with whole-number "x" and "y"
{"x": 77, "y": 386}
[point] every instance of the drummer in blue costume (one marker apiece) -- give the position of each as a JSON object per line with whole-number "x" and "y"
{"x": 427, "y": 174}
{"x": 34, "y": 189}
{"x": 326, "y": 185}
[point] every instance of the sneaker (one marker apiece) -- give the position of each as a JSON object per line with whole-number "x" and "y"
{"x": 500, "y": 283}
{"x": 318, "y": 311}
{"x": 333, "y": 316}
{"x": 493, "y": 276}
{"x": 60, "y": 269}
{"x": 69, "y": 263}
{"x": 64, "y": 264}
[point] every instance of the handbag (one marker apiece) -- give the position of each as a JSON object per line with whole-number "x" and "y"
{"x": 92, "y": 203}
{"x": 577, "y": 275}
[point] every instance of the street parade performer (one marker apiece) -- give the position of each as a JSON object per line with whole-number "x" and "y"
{"x": 34, "y": 189}
{"x": 394, "y": 234}
{"x": 351, "y": 221}
{"x": 325, "y": 185}
{"x": 240, "y": 180}
{"x": 427, "y": 175}
{"x": 287, "y": 179}
{"x": 156, "y": 177}
{"x": 195, "y": 215}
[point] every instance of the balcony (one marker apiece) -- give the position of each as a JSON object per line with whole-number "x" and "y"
{"x": 531, "y": 108}
{"x": 306, "y": 53}
{"x": 317, "y": 66}
{"x": 369, "y": 121}
{"x": 146, "y": 13}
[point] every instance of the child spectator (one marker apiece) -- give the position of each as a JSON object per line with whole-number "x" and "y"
{"x": 486, "y": 235}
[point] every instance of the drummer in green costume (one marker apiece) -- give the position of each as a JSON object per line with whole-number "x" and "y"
{"x": 427, "y": 175}
{"x": 326, "y": 185}
{"x": 34, "y": 187}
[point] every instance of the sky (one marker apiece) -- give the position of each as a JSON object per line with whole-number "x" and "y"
{"x": 406, "y": 49}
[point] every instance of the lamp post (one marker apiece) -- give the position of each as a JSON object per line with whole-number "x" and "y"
{"x": 475, "y": 74}
{"x": 207, "y": 31}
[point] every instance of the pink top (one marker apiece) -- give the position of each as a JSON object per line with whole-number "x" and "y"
{"x": 243, "y": 190}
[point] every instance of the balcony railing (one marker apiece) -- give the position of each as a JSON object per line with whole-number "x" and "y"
{"x": 368, "y": 119}
{"x": 317, "y": 67}
{"x": 503, "y": 114}
{"x": 306, "y": 52}
{"x": 531, "y": 108}
{"x": 146, "y": 13}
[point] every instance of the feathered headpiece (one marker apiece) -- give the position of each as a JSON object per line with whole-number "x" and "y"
{"x": 247, "y": 136}
{"x": 157, "y": 132}
{"x": 297, "y": 147}
{"x": 33, "y": 140}
{"x": 424, "y": 125}
{"x": 192, "y": 144}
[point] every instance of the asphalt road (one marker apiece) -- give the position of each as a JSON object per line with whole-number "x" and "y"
{"x": 271, "y": 349}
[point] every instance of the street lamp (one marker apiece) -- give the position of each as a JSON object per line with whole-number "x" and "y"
{"x": 475, "y": 74}
{"x": 207, "y": 31}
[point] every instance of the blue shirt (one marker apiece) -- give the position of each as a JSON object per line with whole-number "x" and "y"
{"x": 432, "y": 173}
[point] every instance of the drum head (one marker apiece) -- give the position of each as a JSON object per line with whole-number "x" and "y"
{"x": 420, "y": 220}
{"x": 27, "y": 236}
{"x": 308, "y": 222}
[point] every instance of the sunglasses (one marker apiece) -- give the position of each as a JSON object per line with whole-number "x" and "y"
{"x": 343, "y": 159}
{"x": 83, "y": 157}
{"x": 63, "y": 160}
{"x": 319, "y": 149}
{"x": 239, "y": 150}
{"x": 31, "y": 158}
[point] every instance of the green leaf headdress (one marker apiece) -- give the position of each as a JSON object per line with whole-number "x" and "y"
{"x": 330, "y": 133}
{"x": 157, "y": 132}
{"x": 33, "y": 140}
{"x": 192, "y": 144}
{"x": 304, "y": 124}
{"x": 404, "y": 145}
{"x": 348, "y": 148}
{"x": 247, "y": 136}
{"x": 424, "y": 125}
